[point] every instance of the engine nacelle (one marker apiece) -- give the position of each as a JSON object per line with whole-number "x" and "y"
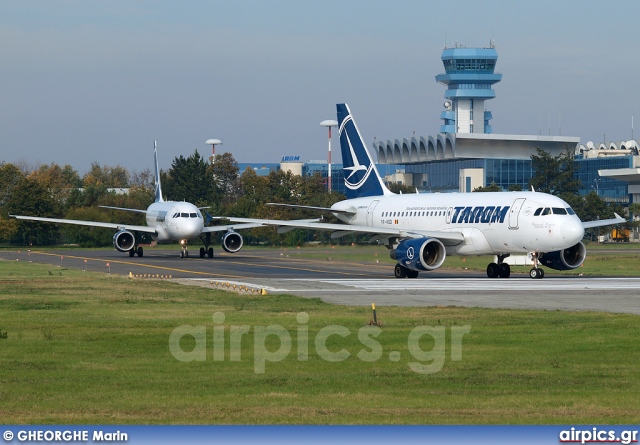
{"x": 232, "y": 241}
{"x": 565, "y": 259}
{"x": 420, "y": 254}
{"x": 124, "y": 241}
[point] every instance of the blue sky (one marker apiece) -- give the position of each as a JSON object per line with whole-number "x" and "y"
{"x": 99, "y": 81}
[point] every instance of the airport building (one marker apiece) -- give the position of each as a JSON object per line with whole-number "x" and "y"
{"x": 466, "y": 154}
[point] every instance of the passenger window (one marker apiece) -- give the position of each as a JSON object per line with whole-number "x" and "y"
{"x": 559, "y": 211}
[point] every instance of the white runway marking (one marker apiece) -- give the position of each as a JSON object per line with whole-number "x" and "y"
{"x": 485, "y": 284}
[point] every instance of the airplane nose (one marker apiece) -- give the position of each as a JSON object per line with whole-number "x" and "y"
{"x": 572, "y": 231}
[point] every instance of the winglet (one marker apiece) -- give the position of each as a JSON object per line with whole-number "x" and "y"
{"x": 361, "y": 177}
{"x": 158, "y": 185}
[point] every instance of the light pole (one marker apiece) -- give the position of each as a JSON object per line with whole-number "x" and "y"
{"x": 596, "y": 187}
{"x": 213, "y": 143}
{"x": 329, "y": 123}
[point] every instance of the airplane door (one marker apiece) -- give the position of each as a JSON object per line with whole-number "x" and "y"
{"x": 370, "y": 210}
{"x": 514, "y": 212}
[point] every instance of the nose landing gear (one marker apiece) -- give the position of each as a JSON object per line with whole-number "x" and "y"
{"x": 536, "y": 272}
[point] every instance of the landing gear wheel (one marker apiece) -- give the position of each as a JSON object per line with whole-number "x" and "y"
{"x": 505, "y": 270}
{"x": 202, "y": 252}
{"x": 412, "y": 274}
{"x": 536, "y": 273}
{"x": 400, "y": 271}
{"x": 132, "y": 253}
{"x": 210, "y": 252}
{"x": 140, "y": 252}
{"x": 493, "y": 270}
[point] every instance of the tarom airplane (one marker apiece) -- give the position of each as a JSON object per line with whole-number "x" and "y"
{"x": 420, "y": 230}
{"x": 167, "y": 221}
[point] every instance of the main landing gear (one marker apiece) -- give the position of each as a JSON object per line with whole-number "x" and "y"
{"x": 500, "y": 270}
{"x": 206, "y": 250}
{"x": 136, "y": 247}
{"x": 403, "y": 272}
{"x": 137, "y": 250}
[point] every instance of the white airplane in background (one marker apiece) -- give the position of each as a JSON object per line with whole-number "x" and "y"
{"x": 167, "y": 221}
{"x": 422, "y": 229}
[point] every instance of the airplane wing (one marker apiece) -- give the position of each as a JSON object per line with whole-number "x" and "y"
{"x": 447, "y": 238}
{"x": 122, "y": 208}
{"x": 210, "y": 229}
{"x": 249, "y": 225}
{"x": 604, "y": 222}
{"x": 320, "y": 209}
{"x": 106, "y": 225}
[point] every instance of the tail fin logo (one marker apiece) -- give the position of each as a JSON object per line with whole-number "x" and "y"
{"x": 360, "y": 175}
{"x": 356, "y": 183}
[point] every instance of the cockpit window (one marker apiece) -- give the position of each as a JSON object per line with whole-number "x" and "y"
{"x": 546, "y": 211}
{"x": 184, "y": 215}
{"x": 193, "y": 215}
{"x": 176, "y": 215}
{"x": 537, "y": 212}
{"x": 559, "y": 211}
{"x": 570, "y": 211}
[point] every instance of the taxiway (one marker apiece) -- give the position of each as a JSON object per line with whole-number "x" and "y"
{"x": 358, "y": 284}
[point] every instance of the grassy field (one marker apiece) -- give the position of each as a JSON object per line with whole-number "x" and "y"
{"x": 87, "y": 348}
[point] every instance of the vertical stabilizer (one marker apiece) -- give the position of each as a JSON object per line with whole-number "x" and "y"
{"x": 158, "y": 186}
{"x": 361, "y": 177}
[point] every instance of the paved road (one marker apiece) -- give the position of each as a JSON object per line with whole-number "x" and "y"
{"x": 358, "y": 284}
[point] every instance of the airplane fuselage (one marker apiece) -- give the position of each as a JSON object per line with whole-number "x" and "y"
{"x": 491, "y": 223}
{"x": 174, "y": 221}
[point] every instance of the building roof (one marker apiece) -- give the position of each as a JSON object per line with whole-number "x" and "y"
{"x": 446, "y": 146}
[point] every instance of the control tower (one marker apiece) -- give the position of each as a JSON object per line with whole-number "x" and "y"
{"x": 469, "y": 74}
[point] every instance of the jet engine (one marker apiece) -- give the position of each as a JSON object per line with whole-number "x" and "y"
{"x": 232, "y": 241}
{"x": 420, "y": 254}
{"x": 124, "y": 241}
{"x": 565, "y": 259}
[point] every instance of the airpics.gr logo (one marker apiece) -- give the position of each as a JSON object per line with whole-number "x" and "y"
{"x": 426, "y": 345}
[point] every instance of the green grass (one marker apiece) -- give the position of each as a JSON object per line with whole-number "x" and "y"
{"x": 88, "y": 348}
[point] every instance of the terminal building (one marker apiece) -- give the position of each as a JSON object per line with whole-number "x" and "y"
{"x": 466, "y": 154}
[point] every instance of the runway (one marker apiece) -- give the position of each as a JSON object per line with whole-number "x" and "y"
{"x": 359, "y": 284}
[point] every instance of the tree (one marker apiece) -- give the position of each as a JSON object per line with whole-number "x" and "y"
{"x": 554, "y": 174}
{"x": 493, "y": 187}
{"x": 189, "y": 180}
{"x": 111, "y": 177}
{"x": 224, "y": 171}
{"x": 398, "y": 188}
{"x": 29, "y": 197}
